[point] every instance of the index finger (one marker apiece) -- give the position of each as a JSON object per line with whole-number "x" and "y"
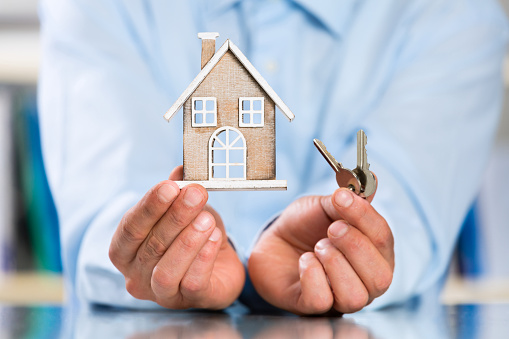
{"x": 361, "y": 214}
{"x": 139, "y": 220}
{"x": 358, "y": 212}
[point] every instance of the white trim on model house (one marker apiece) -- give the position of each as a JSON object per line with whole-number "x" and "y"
{"x": 228, "y": 45}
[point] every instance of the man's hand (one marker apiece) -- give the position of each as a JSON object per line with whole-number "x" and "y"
{"x": 323, "y": 253}
{"x": 172, "y": 249}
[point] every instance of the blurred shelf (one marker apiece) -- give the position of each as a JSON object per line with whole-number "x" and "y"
{"x": 18, "y": 9}
{"x": 31, "y": 288}
{"x": 19, "y": 42}
{"x": 464, "y": 291}
{"x": 19, "y": 56}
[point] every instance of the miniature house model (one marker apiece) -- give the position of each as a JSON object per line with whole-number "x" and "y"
{"x": 229, "y": 123}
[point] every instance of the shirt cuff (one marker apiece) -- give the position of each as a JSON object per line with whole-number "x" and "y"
{"x": 249, "y": 297}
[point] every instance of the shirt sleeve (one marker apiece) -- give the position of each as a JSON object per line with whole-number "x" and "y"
{"x": 105, "y": 143}
{"x": 103, "y": 90}
{"x": 431, "y": 132}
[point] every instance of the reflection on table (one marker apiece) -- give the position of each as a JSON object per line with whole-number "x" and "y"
{"x": 417, "y": 319}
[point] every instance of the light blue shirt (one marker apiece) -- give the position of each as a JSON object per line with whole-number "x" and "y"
{"x": 421, "y": 77}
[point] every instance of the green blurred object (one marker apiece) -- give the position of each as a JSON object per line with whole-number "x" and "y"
{"x": 35, "y": 198}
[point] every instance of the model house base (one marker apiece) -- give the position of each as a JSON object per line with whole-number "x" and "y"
{"x": 238, "y": 185}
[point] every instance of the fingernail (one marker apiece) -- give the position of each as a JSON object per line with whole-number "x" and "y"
{"x": 202, "y": 222}
{"x": 166, "y": 193}
{"x": 216, "y": 235}
{"x": 193, "y": 197}
{"x": 306, "y": 257}
{"x": 322, "y": 245}
{"x": 343, "y": 198}
{"x": 304, "y": 262}
{"x": 338, "y": 229}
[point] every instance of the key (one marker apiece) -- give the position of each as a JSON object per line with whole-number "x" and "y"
{"x": 366, "y": 178}
{"x": 344, "y": 176}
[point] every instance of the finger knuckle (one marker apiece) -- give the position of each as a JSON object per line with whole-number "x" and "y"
{"x": 192, "y": 287}
{"x": 355, "y": 244}
{"x": 155, "y": 248}
{"x": 382, "y": 282}
{"x": 130, "y": 286}
{"x": 112, "y": 254}
{"x": 354, "y": 301}
{"x": 380, "y": 239}
{"x": 206, "y": 255}
{"x": 187, "y": 242}
{"x": 129, "y": 231}
{"x": 178, "y": 218}
{"x": 319, "y": 304}
{"x": 162, "y": 279}
{"x": 383, "y": 236}
{"x": 134, "y": 288}
{"x": 147, "y": 210}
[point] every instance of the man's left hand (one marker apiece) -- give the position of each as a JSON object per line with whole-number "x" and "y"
{"x": 324, "y": 253}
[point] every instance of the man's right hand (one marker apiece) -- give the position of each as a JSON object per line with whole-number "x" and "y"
{"x": 172, "y": 249}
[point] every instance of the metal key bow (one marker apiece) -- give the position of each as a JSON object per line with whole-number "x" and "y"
{"x": 360, "y": 180}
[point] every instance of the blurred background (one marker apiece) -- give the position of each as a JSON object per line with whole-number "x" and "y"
{"x": 30, "y": 263}
{"x": 30, "y": 266}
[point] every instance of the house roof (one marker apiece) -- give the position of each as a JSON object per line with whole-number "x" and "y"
{"x": 228, "y": 45}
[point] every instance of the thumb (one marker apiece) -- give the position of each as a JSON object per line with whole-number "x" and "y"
{"x": 328, "y": 207}
{"x": 332, "y": 212}
{"x": 177, "y": 173}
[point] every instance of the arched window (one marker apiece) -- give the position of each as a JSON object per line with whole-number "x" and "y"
{"x": 227, "y": 155}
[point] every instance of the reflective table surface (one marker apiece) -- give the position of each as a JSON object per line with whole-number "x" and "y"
{"x": 418, "y": 319}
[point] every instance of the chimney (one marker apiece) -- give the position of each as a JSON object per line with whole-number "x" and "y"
{"x": 208, "y": 46}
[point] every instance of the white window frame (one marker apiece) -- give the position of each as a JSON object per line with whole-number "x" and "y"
{"x": 203, "y": 111}
{"x": 251, "y": 111}
{"x": 227, "y": 147}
